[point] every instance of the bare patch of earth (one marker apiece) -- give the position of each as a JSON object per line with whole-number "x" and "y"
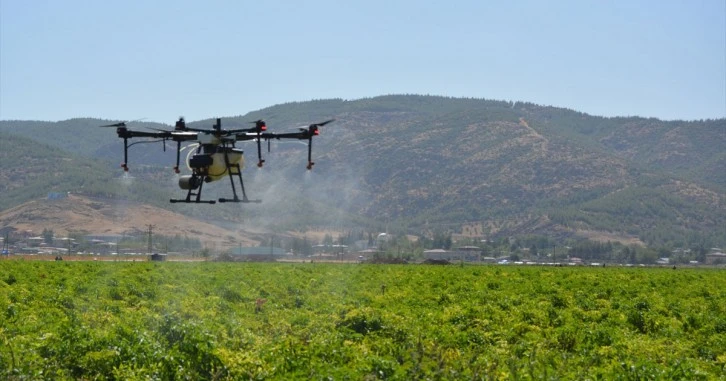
{"x": 110, "y": 217}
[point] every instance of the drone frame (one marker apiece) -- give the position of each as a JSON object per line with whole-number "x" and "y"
{"x": 211, "y": 143}
{"x": 199, "y": 176}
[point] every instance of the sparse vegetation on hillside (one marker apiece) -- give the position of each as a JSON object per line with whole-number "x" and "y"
{"x": 423, "y": 162}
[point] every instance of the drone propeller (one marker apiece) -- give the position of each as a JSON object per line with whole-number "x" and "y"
{"x": 312, "y": 130}
{"x": 260, "y": 126}
{"x": 312, "y": 127}
{"x": 121, "y": 124}
{"x": 322, "y": 123}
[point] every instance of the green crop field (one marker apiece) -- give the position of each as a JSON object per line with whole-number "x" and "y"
{"x": 175, "y": 320}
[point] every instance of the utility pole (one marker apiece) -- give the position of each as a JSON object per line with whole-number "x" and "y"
{"x": 150, "y": 229}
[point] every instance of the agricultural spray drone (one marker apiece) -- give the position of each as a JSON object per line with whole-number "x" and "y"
{"x": 213, "y": 155}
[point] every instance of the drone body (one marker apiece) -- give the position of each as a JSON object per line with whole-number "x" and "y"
{"x": 216, "y": 156}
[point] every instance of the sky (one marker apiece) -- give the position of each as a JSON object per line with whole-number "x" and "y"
{"x": 126, "y": 60}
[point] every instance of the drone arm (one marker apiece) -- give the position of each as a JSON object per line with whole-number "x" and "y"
{"x": 291, "y": 135}
{"x": 124, "y": 165}
{"x": 310, "y": 153}
{"x": 304, "y": 134}
{"x": 127, "y": 134}
{"x": 245, "y": 137}
{"x": 260, "y": 162}
{"x": 178, "y": 151}
{"x": 144, "y": 134}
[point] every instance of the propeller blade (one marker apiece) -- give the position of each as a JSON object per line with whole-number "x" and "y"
{"x": 121, "y": 124}
{"x": 322, "y": 123}
{"x": 305, "y": 127}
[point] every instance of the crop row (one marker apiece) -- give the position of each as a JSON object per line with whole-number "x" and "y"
{"x": 202, "y": 320}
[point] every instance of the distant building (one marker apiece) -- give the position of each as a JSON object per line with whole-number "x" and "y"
{"x": 383, "y": 238}
{"x": 441, "y": 254}
{"x": 330, "y": 249}
{"x": 469, "y": 253}
{"x": 257, "y": 251}
{"x": 368, "y": 254}
{"x": 716, "y": 258}
{"x": 462, "y": 253}
{"x": 35, "y": 241}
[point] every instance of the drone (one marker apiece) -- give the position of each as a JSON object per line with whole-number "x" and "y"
{"x": 216, "y": 155}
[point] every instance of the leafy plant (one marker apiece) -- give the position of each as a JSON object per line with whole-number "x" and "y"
{"x": 131, "y": 320}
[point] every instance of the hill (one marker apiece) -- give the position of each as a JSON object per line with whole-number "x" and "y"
{"x": 98, "y": 216}
{"x": 31, "y": 169}
{"x": 485, "y": 168}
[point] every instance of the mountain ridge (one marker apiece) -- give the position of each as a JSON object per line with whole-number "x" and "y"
{"x": 420, "y": 162}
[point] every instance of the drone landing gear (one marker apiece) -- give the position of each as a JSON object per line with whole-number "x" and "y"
{"x": 173, "y": 201}
{"x": 241, "y": 183}
{"x": 194, "y": 182}
{"x": 238, "y": 200}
